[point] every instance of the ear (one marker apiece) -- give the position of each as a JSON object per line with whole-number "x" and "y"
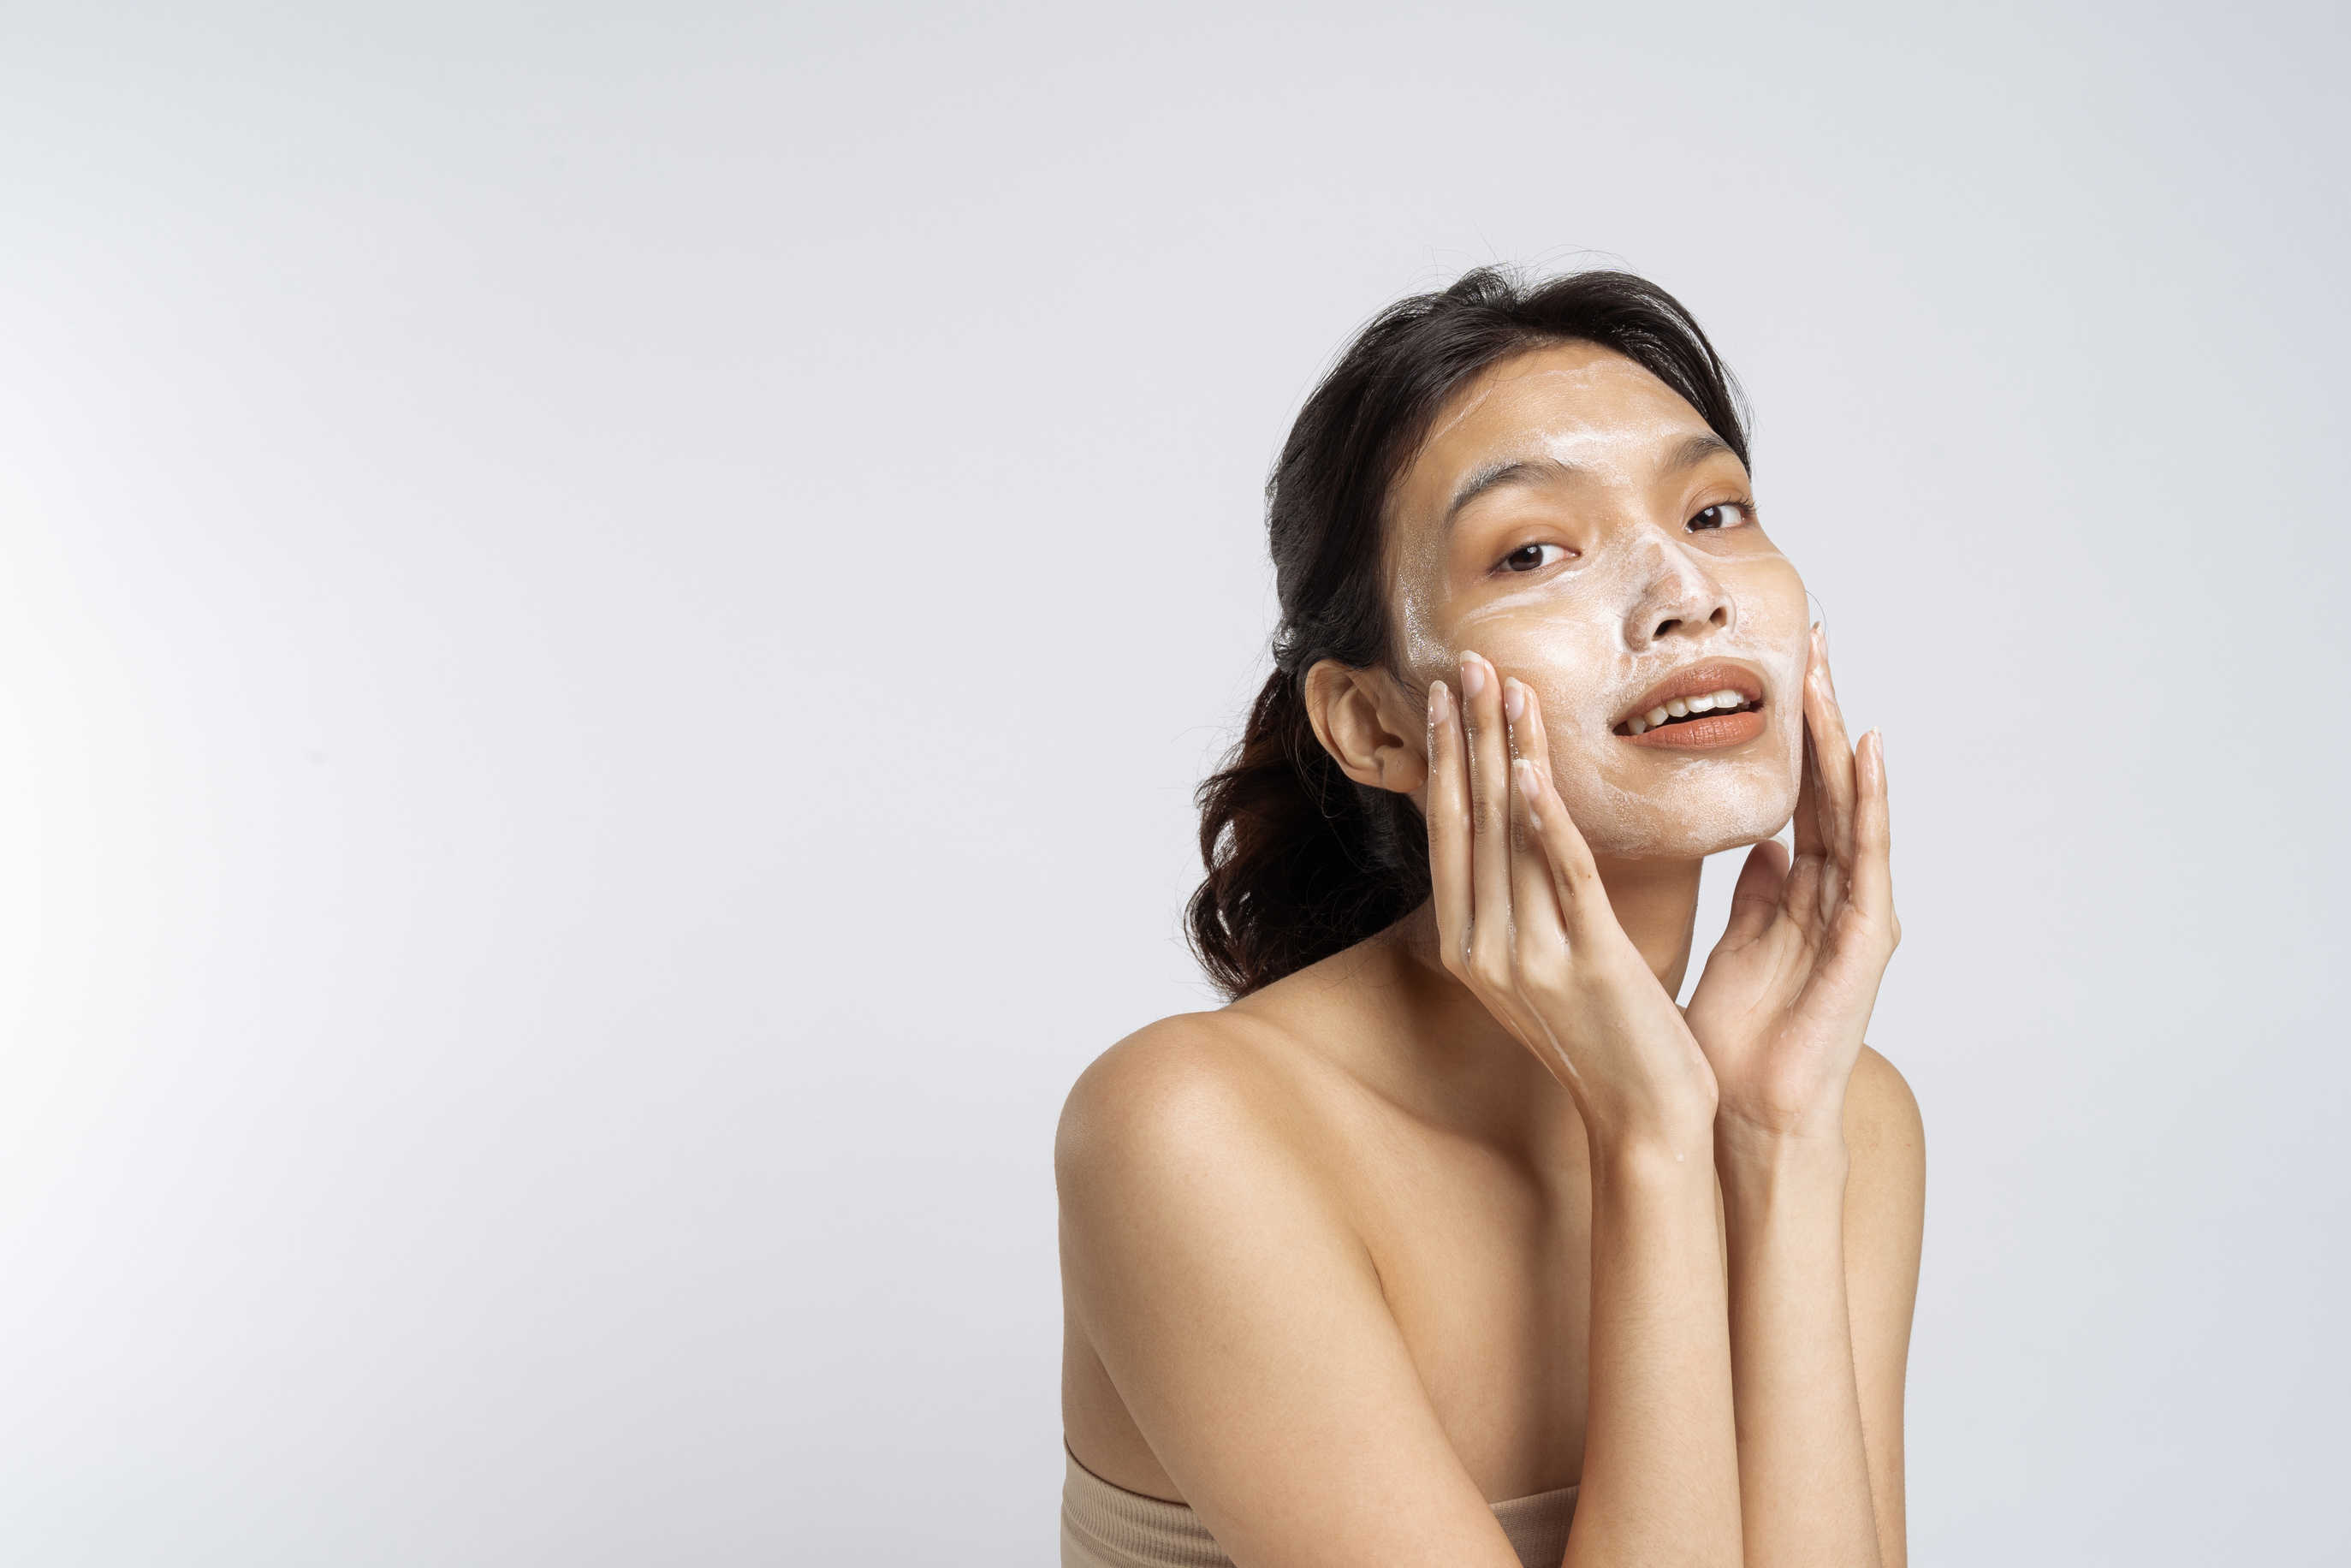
{"x": 1368, "y": 724}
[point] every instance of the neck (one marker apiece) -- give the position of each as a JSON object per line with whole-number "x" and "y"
{"x": 1454, "y": 1048}
{"x": 1656, "y": 904}
{"x": 1655, "y": 900}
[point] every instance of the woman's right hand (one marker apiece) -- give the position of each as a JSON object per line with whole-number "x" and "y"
{"x": 1524, "y": 921}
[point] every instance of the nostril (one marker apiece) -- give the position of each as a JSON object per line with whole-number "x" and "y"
{"x": 1721, "y": 616}
{"x": 1664, "y": 627}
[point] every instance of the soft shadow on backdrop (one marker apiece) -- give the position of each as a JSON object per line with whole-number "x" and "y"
{"x": 608, "y": 616}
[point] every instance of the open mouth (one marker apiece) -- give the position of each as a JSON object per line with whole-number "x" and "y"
{"x": 1704, "y": 707}
{"x": 1686, "y": 710}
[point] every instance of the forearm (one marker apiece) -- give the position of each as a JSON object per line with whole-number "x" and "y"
{"x": 1661, "y": 1463}
{"x": 1804, "y": 1471}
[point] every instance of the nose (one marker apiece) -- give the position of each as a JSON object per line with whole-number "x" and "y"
{"x": 1681, "y": 598}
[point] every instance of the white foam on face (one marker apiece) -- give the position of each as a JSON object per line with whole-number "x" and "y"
{"x": 1568, "y": 639}
{"x": 1584, "y": 638}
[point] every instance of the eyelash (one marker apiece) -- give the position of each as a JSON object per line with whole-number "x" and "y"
{"x": 1504, "y": 564}
{"x": 1745, "y": 509}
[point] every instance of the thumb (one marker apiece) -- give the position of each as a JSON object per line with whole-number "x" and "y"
{"x": 1756, "y": 899}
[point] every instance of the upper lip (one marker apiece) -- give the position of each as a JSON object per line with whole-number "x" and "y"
{"x": 1696, "y": 680}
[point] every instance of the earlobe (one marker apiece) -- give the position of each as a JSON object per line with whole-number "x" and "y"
{"x": 1405, "y": 770}
{"x": 1352, "y": 713}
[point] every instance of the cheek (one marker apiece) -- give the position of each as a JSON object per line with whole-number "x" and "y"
{"x": 1570, "y": 652}
{"x": 1780, "y": 608}
{"x": 1429, "y": 649}
{"x": 1627, "y": 801}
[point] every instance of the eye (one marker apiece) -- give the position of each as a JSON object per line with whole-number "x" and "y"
{"x": 1533, "y": 557}
{"x": 1722, "y": 514}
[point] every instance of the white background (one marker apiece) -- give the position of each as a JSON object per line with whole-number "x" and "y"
{"x": 608, "y": 615}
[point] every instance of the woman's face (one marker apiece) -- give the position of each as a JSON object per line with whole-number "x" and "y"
{"x": 1576, "y": 522}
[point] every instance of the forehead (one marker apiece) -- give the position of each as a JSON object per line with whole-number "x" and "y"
{"x": 1575, "y": 404}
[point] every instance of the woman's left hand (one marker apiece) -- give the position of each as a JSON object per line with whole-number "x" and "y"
{"x": 1787, "y": 993}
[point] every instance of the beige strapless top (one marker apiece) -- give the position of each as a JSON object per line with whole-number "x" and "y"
{"x": 1103, "y": 1526}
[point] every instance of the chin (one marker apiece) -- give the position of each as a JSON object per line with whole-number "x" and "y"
{"x": 1685, "y": 840}
{"x": 1691, "y": 811}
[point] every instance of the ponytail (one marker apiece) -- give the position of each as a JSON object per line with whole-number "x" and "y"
{"x": 1302, "y": 861}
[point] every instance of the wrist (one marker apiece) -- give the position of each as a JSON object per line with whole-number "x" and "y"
{"x": 1652, "y": 1157}
{"x": 1768, "y": 1161}
{"x": 1670, "y": 1118}
{"x": 1686, "y": 1130}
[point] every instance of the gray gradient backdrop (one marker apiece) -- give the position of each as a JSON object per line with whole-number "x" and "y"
{"x": 608, "y": 614}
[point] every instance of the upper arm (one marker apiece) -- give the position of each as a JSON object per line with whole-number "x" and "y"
{"x": 1885, "y": 1219}
{"x": 1242, "y": 1322}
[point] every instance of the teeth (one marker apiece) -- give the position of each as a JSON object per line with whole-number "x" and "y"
{"x": 1723, "y": 701}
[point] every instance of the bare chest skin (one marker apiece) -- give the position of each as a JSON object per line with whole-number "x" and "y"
{"x": 1341, "y": 1242}
{"x": 1484, "y": 1253}
{"x": 1460, "y": 1169}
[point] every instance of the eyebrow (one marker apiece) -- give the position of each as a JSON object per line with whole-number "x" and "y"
{"x": 1692, "y": 451}
{"x": 1695, "y": 450}
{"x": 1494, "y": 475}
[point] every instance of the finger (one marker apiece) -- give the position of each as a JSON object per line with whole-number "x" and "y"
{"x": 1575, "y": 880}
{"x": 1448, "y": 826}
{"x": 1801, "y": 899}
{"x": 1833, "y": 753}
{"x": 1486, "y": 741}
{"x": 1539, "y": 927}
{"x": 1873, "y": 836}
{"x": 1755, "y": 900}
{"x": 1807, "y": 820}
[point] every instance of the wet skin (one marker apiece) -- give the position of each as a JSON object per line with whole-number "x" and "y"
{"x": 1607, "y": 539}
{"x": 1471, "y": 1210}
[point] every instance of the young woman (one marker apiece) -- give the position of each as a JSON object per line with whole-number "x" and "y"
{"x": 1453, "y": 1242}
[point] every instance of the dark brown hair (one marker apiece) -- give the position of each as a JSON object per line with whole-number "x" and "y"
{"x": 1303, "y": 861}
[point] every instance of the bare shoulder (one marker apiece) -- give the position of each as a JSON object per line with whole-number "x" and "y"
{"x": 1194, "y": 1186}
{"x": 1199, "y": 1089}
{"x": 1882, "y": 1124}
{"x": 1886, "y": 1194}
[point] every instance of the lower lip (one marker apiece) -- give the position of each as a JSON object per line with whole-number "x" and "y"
{"x": 1701, "y": 734}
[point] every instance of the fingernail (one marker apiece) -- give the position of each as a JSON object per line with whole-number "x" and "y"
{"x": 1473, "y": 674}
{"x": 1440, "y": 703}
{"x": 1514, "y": 701}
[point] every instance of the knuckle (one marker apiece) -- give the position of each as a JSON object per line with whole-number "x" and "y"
{"x": 1539, "y": 970}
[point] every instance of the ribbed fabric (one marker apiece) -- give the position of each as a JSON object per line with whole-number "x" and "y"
{"x": 1103, "y": 1526}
